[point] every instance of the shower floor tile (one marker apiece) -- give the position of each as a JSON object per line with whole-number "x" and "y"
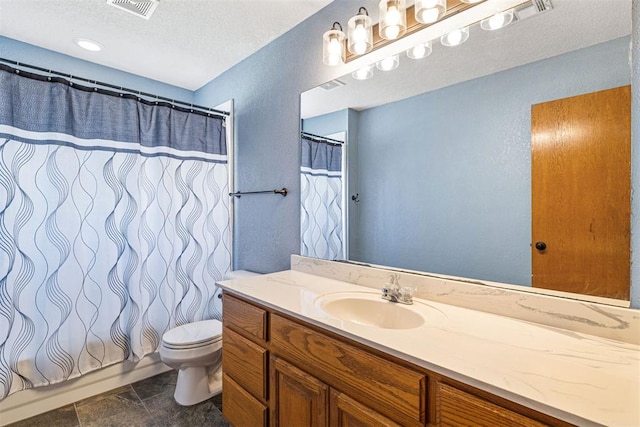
{"x": 147, "y": 403}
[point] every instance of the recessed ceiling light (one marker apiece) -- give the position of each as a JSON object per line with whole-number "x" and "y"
{"x": 88, "y": 44}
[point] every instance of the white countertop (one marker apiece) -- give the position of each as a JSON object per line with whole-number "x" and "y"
{"x": 582, "y": 379}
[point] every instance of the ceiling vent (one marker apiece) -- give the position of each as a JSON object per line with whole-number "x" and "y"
{"x": 532, "y": 8}
{"x": 333, "y": 84}
{"x": 142, "y": 8}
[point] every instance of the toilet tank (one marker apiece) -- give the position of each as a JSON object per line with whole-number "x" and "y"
{"x": 217, "y": 300}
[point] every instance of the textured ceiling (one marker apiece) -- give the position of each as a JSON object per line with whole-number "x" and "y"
{"x": 186, "y": 43}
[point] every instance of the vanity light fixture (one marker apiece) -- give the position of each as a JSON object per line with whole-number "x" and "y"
{"x": 389, "y": 63}
{"x": 360, "y": 33}
{"x": 470, "y": 1}
{"x": 363, "y": 73}
{"x": 393, "y": 19}
{"x": 455, "y": 37}
{"x": 429, "y": 11}
{"x": 420, "y": 51}
{"x": 88, "y": 44}
{"x": 333, "y": 51}
{"x": 497, "y": 21}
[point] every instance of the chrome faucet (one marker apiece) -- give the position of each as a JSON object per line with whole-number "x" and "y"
{"x": 394, "y": 293}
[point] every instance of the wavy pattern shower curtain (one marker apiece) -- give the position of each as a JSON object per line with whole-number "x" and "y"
{"x": 114, "y": 227}
{"x": 321, "y": 199}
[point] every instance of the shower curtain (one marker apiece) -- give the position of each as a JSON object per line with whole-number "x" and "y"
{"x": 321, "y": 199}
{"x": 114, "y": 226}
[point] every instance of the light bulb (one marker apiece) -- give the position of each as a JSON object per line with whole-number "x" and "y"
{"x": 392, "y": 20}
{"x": 363, "y": 73}
{"x": 359, "y": 40}
{"x": 359, "y": 34}
{"x": 418, "y": 51}
{"x": 389, "y": 63}
{"x": 393, "y": 16}
{"x": 428, "y": 16}
{"x": 334, "y": 51}
{"x": 496, "y": 21}
{"x": 429, "y": 3}
{"x": 334, "y": 46}
{"x": 455, "y": 37}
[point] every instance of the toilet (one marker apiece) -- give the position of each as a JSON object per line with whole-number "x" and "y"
{"x": 195, "y": 350}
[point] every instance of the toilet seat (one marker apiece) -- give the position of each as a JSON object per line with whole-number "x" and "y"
{"x": 193, "y": 335}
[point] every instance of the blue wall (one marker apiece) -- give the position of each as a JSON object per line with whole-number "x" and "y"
{"x": 266, "y": 89}
{"x": 327, "y": 124}
{"x": 33, "y": 55}
{"x": 445, "y": 176}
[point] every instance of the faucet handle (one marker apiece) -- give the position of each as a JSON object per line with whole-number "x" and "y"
{"x": 406, "y": 292}
{"x": 392, "y": 283}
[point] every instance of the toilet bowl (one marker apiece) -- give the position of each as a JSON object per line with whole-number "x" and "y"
{"x": 195, "y": 350}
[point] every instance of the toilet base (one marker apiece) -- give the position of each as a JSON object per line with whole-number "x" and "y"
{"x": 196, "y": 385}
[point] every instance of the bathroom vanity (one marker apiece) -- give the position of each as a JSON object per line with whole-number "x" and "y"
{"x": 293, "y": 356}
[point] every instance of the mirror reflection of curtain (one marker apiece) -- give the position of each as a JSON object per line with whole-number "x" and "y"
{"x": 321, "y": 227}
{"x": 114, "y": 227}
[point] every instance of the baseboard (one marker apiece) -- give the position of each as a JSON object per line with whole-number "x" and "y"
{"x": 27, "y": 403}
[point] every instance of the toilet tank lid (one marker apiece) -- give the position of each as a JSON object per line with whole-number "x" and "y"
{"x": 239, "y": 274}
{"x": 193, "y": 333}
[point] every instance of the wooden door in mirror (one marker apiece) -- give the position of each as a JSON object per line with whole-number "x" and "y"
{"x": 581, "y": 193}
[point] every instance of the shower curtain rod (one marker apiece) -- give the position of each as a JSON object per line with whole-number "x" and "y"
{"x": 121, "y": 89}
{"x": 321, "y": 138}
{"x": 238, "y": 194}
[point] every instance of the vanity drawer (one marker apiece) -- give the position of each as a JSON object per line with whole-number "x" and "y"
{"x": 455, "y": 407}
{"x": 244, "y": 318}
{"x": 393, "y": 390}
{"x": 245, "y": 362}
{"x": 239, "y": 407}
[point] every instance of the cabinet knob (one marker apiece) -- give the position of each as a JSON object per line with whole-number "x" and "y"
{"x": 541, "y": 246}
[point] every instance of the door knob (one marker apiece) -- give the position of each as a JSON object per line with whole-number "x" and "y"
{"x": 541, "y": 246}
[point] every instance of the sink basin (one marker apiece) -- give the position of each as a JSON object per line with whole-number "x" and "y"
{"x": 370, "y": 310}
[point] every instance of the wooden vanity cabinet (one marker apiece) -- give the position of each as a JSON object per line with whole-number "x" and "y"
{"x": 281, "y": 371}
{"x": 244, "y": 363}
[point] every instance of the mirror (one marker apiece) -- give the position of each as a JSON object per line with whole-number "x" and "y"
{"x": 438, "y": 151}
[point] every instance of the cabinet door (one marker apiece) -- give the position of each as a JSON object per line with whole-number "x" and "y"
{"x": 297, "y": 398}
{"x": 239, "y": 407}
{"x": 346, "y": 412}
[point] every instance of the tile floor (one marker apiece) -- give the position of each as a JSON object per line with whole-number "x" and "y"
{"x": 147, "y": 403}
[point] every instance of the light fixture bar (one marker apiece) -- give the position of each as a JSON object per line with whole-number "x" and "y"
{"x": 453, "y": 7}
